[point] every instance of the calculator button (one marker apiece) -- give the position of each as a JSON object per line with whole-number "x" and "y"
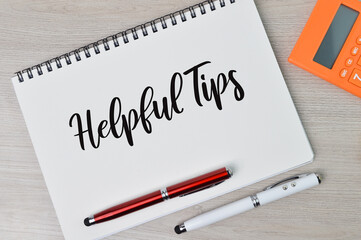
{"x": 349, "y": 62}
{"x": 354, "y": 51}
{"x": 359, "y": 61}
{"x": 356, "y": 77}
{"x": 343, "y": 73}
{"x": 358, "y": 41}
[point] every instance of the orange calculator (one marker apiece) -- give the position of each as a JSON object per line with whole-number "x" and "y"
{"x": 330, "y": 44}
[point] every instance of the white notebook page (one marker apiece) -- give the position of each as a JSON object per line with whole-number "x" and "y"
{"x": 258, "y": 136}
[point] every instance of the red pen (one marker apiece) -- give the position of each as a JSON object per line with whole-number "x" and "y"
{"x": 178, "y": 190}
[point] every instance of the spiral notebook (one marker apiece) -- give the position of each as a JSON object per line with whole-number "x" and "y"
{"x": 149, "y": 107}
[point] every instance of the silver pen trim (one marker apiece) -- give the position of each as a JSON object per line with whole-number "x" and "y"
{"x": 91, "y": 219}
{"x": 164, "y": 193}
{"x": 229, "y": 171}
{"x": 255, "y": 201}
{"x": 319, "y": 178}
{"x": 182, "y": 228}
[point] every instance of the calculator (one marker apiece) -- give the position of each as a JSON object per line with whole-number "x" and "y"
{"x": 330, "y": 44}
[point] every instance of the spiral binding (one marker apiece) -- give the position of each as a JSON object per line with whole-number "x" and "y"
{"x": 132, "y": 33}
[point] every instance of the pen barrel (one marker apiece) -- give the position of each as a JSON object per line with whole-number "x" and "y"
{"x": 288, "y": 188}
{"x": 129, "y": 207}
{"x": 198, "y": 183}
{"x": 219, "y": 214}
{"x": 269, "y": 195}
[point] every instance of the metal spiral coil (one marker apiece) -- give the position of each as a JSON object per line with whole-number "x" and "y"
{"x": 125, "y": 35}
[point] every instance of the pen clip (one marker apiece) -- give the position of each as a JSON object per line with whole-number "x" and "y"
{"x": 285, "y": 180}
{"x": 198, "y": 190}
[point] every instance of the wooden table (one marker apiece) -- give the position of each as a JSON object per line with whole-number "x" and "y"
{"x": 34, "y": 31}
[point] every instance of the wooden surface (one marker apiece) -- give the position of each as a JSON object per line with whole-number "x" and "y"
{"x": 34, "y": 31}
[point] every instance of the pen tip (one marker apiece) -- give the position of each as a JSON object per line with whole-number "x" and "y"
{"x": 177, "y": 229}
{"x": 180, "y": 229}
{"x": 89, "y": 221}
{"x": 86, "y": 222}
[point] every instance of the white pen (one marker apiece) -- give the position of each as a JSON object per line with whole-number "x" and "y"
{"x": 272, "y": 193}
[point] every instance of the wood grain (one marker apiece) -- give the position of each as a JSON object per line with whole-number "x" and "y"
{"x": 34, "y": 31}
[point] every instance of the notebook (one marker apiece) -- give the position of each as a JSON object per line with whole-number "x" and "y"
{"x": 174, "y": 98}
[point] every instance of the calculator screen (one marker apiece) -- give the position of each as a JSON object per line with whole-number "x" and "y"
{"x": 336, "y": 36}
